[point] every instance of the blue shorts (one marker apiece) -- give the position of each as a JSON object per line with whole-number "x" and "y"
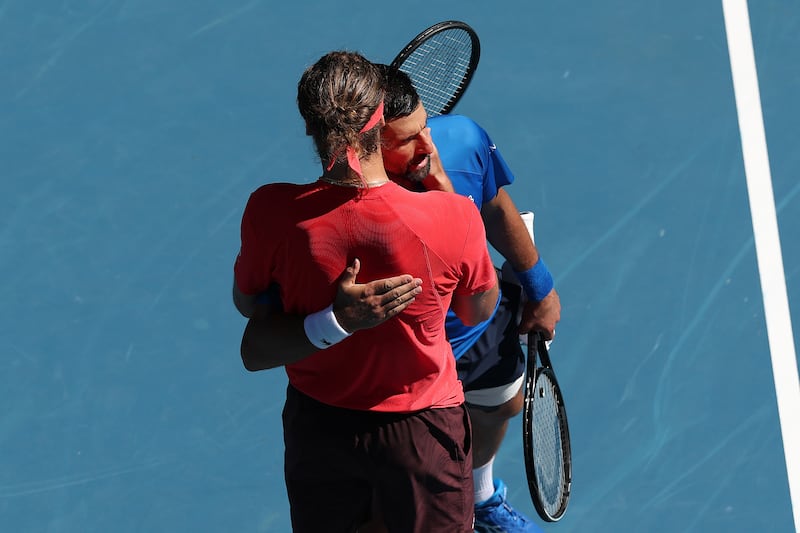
{"x": 496, "y": 361}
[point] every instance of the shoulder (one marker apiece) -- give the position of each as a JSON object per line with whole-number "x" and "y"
{"x": 451, "y": 202}
{"x": 453, "y": 121}
{"x": 458, "y": 137}
{"x": 274, "y": 200}
{"x": 456, "y": 125}
{"x": 432, "y": 201}
{"x": 272, "y": 191}
{"x": 281, "y": 195}
{"x": 444, "y": 218}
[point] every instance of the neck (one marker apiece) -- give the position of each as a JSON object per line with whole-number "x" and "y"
{"x": 353, "y": 183}
{"x": 372, "y": 167}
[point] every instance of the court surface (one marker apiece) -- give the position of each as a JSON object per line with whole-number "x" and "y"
{"x": 133, "y": 131}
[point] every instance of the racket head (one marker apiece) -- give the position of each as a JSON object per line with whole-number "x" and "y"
{"x": 441, "y": 61}
{"x": 546, "y": 442}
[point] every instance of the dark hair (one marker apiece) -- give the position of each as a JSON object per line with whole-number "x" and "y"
{"x": 401, "y": 97}
{"x": 336, "y": 96}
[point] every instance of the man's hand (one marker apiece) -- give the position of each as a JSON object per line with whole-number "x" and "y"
{"x": 365, "y": 305}
{"x": 541, "y": 316}
{"x": 437, "y": 179}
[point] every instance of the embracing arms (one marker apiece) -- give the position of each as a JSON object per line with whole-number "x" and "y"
{"x": 274, "y": 338}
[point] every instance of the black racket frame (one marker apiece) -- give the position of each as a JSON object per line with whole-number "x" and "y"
{"x": 426, "y": 34}
{"x": 537, "y": 350}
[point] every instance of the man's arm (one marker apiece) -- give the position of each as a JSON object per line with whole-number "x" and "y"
{"x": 246, "y": 304}
{"x": 507, "y": 233}
{"x": 273, "y": 338}
{"x": 478, "y": 272}
{"x": 476, "y": 308}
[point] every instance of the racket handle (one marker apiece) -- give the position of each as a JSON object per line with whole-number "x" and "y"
{"x": 527, "y": 218}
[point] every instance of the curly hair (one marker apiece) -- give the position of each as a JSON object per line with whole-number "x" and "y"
{"x": 336, "y": 96}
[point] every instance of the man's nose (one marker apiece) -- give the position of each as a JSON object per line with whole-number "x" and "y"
{"x": 426, "y": 142}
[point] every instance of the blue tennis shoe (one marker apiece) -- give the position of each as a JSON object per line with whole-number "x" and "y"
{"x": 495, "y": 515}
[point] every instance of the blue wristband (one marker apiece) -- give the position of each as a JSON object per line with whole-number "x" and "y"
{"x": 537, "y": 282}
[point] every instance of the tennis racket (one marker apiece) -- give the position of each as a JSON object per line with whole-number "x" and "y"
{"x": 548, "y": 458}
{"x": 545, "y": 433}
{"x": 440, "y": 62}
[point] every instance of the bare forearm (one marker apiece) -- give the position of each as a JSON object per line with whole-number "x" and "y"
{"x": 245, "y": 303}
{"x": 472, "y": 310}
{"x": 274, "y": 339}
{"x": 507, "y": 233}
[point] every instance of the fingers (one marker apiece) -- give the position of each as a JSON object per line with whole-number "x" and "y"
{"x": 410, "y": 286}
{"x": 366, "y": 305}
{"x": 391, "y": 288}
{"x": 546, "y": 328}
{"x": 541, "y": 316}
{"x": 397, "y": 305}
{"x": 348, "y": 277}
{"x": 548, "y": 334}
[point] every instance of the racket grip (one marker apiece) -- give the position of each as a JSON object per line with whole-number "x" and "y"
{"x": 523, "y": 341}
{"x": 527, "y": 218}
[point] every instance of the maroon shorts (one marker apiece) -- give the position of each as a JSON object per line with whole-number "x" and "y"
{"x": 341, "y": 466}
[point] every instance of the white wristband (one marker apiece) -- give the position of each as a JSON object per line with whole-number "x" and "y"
{"x": 323, "y": 330}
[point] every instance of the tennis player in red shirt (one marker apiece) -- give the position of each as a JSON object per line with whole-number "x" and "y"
{"x": 374, "y": 419}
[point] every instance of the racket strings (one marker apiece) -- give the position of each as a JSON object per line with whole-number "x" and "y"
{"x": 439, "y": 68}
{"x": 548, "y": 446}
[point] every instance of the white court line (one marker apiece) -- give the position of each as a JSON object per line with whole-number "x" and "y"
{"x": 765, "y": 230}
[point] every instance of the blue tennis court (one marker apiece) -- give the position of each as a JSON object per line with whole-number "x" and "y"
{"x": 134, "y": 131}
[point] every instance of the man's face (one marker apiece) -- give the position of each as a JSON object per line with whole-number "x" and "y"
{"x": 407, "y": 146}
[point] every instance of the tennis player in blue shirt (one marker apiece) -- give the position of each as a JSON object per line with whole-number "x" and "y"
{"x": 452, "y": 152}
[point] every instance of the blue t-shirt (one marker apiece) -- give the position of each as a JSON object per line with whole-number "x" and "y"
{"x": 478, "y": 171}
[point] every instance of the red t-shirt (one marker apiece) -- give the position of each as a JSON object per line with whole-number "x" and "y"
{"x": 302, "y": 237}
